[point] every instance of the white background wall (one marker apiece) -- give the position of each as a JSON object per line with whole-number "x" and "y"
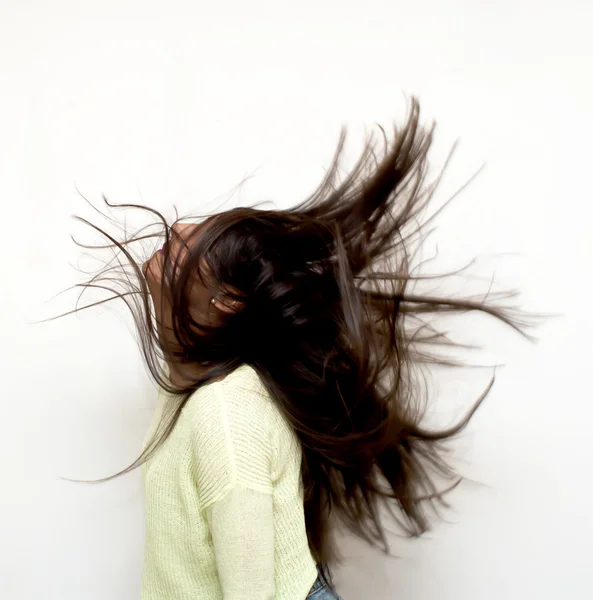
{"x": 176, "y": 105}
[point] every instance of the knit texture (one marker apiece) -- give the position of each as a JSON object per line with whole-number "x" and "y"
{"x": 224, "y": 500}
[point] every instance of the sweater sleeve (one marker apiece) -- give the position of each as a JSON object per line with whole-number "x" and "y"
{"x": 242, "y": 529}
{"x": 232, "y": 454}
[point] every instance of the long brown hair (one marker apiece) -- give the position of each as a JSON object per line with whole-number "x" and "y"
{"x": 333, "y": 324}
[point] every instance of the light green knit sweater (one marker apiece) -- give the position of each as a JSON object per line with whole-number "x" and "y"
{"x": 224, "y": 505}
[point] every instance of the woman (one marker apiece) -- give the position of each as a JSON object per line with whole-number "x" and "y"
{"x": 285, "y": 343}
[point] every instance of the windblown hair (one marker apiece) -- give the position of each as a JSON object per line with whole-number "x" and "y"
{"x": 332, "y": 323}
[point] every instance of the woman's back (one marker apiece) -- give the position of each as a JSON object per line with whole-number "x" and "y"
{"x": 230, "y": 465}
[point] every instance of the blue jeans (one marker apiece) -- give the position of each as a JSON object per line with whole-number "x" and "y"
{"x": 320, "y": 590}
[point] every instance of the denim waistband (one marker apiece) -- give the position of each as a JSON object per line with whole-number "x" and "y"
{"x": 319, "y": 583}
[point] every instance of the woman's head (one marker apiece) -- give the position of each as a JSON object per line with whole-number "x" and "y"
{"x": 320, "y": 300}
{"x": 188, "y": 301}
{"x": 247, "y": 285}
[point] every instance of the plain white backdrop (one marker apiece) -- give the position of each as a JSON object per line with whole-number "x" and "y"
{"x": 175, "y": 103}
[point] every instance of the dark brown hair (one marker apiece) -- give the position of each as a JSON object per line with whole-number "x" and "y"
{"x": 334, "y": 325}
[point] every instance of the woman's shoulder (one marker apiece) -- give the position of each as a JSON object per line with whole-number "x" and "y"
{"x": 241, "y": 393}
{"x": 240, "y": 410}
{"x": 244, "y": 377}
